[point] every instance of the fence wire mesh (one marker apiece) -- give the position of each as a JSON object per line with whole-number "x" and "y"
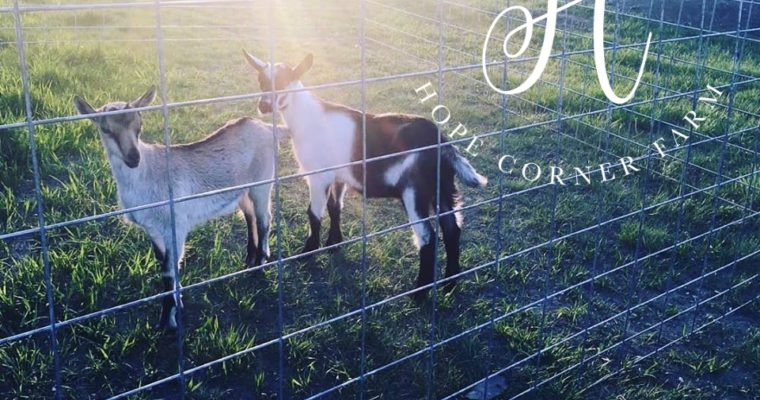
{"x": 563, "y": 287}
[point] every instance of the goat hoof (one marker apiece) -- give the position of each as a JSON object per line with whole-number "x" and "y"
{"x": 449, "y": 287}
{"x": 165, "y": 327}
{"x": 250, "y": 261}
{"x": 254, "y": 261}
{"x": 419, "y": 296}
{"x": 332, "y": 241}
{"x": 258, "y": 275}
{"x": 308, "y": 247}
{"x": 332, "y": 250}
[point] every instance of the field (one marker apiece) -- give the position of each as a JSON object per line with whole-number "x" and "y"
{"x": 640, "y": 261}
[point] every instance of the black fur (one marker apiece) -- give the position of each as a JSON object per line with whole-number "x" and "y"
{"x": 261, "y": 254}
{"x": 394, "y": 133}
{"x": 335, "y": 236}
{"x": 168, "y": 286}
{"x": 251, "y": 256}
{"x": 315, "y": 225}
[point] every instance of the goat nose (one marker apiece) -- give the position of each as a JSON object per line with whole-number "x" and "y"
{"x": 133, "y": 159}
{"x": 265, "y": 107}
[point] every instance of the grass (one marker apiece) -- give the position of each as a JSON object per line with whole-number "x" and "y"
{"x": 95, "y": 265}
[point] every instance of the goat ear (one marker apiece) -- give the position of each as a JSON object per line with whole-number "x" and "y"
{"x": 256, "y": 63}
{"x": 304, "y": 66}
{"x": 145, "y": 99}
{"x": 82, "y": 106}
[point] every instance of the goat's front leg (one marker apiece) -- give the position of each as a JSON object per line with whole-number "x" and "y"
{"x": 250, "y": 221}
{"x": 262, "y": 201}
{"x": 318, "y": 201}
{"x": 168, "y": 319}
{"x": 334, "y": 205}
{"x": 168, "y": 285}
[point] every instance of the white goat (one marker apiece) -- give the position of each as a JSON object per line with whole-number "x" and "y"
{"x": 240, "y": 152}
{"x": 328, "y": 135}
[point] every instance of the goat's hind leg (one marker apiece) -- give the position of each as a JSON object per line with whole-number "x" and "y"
{"x": 417, "y": 207}
{"x": 451, "y": 228}
{"x": 247, "y": 207}
{"x": 262, "y": 205}
{"x": 159, "y": 252}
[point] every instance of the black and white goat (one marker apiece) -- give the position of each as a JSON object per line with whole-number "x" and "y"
{"x": 240, "y": 152}
{"x": 327, "y": 135}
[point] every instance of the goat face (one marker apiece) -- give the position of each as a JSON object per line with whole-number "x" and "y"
{"x": 121, "y": 132}
{"x": 278, "y": 77}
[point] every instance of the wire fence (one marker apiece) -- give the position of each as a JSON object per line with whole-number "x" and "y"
{"x": 706, "y": 271}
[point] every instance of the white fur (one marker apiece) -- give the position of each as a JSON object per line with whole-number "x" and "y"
{"x": 421, "y": 230}
{"x": 247, "y": 157}
{"x": 252, "y": 160}
{"x": 320, "y": 140}
{"x": 466, "y": 172}
{"x": 395, "y": 172}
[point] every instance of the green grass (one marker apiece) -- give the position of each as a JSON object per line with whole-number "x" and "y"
{"x": 106, "y": 263}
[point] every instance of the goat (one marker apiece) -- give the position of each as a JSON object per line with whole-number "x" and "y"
{"x": 240, "y": 152}
{"x": 326, "y": 135}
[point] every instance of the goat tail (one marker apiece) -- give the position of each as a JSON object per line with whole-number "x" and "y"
{"x": 463, "y": 169}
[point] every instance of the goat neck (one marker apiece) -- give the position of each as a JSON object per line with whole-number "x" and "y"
{"x": 304, "y": 111}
